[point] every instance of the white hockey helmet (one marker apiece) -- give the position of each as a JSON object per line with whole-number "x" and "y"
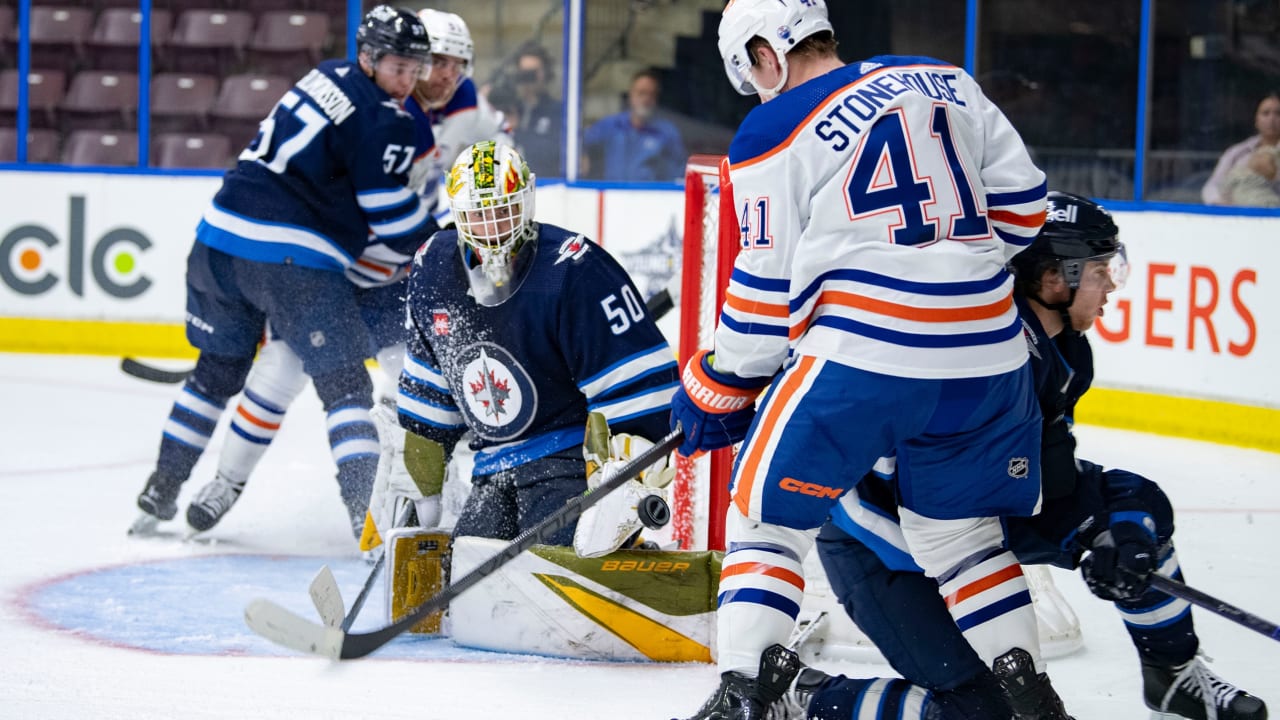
{"x": 490, "y": 191}
{"x": 449, "y": 36}
{"x": 782, "y": 23}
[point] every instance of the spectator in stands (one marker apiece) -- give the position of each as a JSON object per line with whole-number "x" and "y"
{"x": 539, "y": 126}
{"x": 1246, "y": 174}
{"x": 634, "y": 145}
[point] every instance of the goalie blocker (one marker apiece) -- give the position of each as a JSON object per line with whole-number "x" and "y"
{"x": 654, "y": 605}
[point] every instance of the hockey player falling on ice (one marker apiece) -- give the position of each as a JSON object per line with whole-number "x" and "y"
{"x": 518, "y": 329}
{"x": 1119, "y": 522}
{"x": 322, "y": 185}
{"x": 880, "y": 202}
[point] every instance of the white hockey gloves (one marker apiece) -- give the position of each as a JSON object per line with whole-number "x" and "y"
{"x": 605, "y": 526}
{"x": 410, "y": 469}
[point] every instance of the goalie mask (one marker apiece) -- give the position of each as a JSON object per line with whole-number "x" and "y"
{"x": 1076, "y": 232}
{"x": 782, "y": 23}
{"x": 490, "y": 191}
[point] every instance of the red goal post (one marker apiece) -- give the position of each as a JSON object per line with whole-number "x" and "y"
{"x": 711, "y": 241}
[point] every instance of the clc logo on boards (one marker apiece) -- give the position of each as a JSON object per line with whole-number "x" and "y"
{"x": 27, "y": 263}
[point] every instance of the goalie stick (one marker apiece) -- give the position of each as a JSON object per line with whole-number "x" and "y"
{"x": 658, "y": 305}
{"x": 1169, "y": 586}
{"x": 286, "y": 628}
{"x": 326, "y": 596}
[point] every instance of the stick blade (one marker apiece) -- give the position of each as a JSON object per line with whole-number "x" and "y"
{"x": 327, "y": 598}
{"x": 287, "y": 629}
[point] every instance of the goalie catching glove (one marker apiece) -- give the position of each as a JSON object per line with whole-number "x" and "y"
{"x": 410, "y": 469}
{"x": 605, "y": 526}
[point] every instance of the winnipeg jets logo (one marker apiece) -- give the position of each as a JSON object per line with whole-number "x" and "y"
{"x": 497, "y": 392}
{"x": 489, "y": 392}
{"x": 572, "y": 249}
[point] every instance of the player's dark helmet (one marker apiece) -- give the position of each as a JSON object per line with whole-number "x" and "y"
{"x": 1076, "y": 230}
{"x": 386, "y": 30}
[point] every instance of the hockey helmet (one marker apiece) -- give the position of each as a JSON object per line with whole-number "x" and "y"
{"x": 490, "y": 190}
{"x": 782, "y": 23}
{"x": 1076, "y": 231}
{"x": 386, "y": 30}
{"x": 449, "y": 35}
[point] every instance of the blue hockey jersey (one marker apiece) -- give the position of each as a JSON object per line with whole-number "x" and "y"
{"x": 574, "y": 337}
{"x": 324, "y": 178}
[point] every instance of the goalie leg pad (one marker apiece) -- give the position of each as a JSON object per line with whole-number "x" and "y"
{"x": 418, "y": 561}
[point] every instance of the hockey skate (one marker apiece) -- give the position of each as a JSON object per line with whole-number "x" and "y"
{"x": 768, "y": 696}
{"x": 158, "y": 501}
{"x": 212, "y": 502}
{"x": 1030, "y": 694}
{"x": 1192, "y": 691}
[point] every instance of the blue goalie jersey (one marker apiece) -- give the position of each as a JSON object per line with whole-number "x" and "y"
{"x": 574, "y": 337}
{"x": 324, "y": 179}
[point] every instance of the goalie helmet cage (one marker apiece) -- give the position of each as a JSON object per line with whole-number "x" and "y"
{"x": 701, "y": 496}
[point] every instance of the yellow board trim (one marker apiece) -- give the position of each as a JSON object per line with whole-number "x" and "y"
{"x": 653, "y": 639}
{"x": 1213, "y": 421}
{"x": 1227, "y": 423}
{"x": 88, "y": 337}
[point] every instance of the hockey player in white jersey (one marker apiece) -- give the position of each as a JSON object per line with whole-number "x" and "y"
{"x": 879, "y": 203}
{"x": 448, "y": 101}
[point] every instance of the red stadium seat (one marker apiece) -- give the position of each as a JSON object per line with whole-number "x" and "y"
{"x": 243, "y": 102}
{"x": 58, "y": 36}
{"x": 209, "y": 41}
{"x": 101, "y": 100}
{"x": 288, "y": 42}
{"x": 42, "y": 145}
{"x": 45, "y": 90}
{"x": 114, "y": 43}
{"x": 191, "y": 150}
{"x": 101, "y": 147}
{"x": 180, "y": 102}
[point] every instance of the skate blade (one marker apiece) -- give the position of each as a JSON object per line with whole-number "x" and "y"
{"x": 144, "y": 526}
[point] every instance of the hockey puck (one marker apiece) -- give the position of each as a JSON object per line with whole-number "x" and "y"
{"x": 654, "y": 512}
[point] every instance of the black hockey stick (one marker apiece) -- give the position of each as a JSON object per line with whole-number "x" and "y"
{"x": 1169, "y": 586}
{"x": 142, "y": 371}
{"x": 658, "y": 306}
{"x": 284, "y": 627}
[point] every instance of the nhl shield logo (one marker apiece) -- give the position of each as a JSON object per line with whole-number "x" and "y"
{"x": 1018, "y": 467}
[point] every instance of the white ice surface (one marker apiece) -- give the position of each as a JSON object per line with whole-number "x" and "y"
{"x": 77, "y": 440}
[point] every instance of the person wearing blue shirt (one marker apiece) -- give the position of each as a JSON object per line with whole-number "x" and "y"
{"x": 634, "y": 145}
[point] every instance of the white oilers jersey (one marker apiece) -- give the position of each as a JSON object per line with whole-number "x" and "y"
{"x": 465, "y": 120}
{"x": 878, "y": 206}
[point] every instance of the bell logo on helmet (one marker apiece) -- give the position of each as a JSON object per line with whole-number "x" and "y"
{"x": 1063, "y": 213}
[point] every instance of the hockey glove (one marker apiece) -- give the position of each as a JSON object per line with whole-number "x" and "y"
{"x": 714, "y": 409}
{"x": 1122, "y": 557}
{"x": 410, "y": 468}
{"x": 606, "y": 526}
